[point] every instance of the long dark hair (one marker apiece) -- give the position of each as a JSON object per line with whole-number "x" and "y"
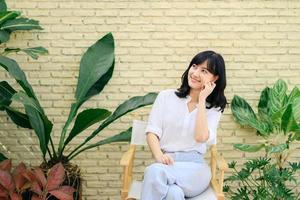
{"x": 216, "y": 66}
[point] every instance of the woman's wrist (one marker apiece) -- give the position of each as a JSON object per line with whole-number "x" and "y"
{"x": 201, "y": 101}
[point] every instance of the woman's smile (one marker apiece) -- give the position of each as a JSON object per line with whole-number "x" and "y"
{"x": 195, "y": 80}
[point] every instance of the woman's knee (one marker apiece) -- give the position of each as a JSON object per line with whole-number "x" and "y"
{"x": 175, "y": 193}
{"x": 154, "y": 169}
{"x": 155, "y": 173}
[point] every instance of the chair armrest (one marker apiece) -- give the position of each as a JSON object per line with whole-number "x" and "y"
{"x": 220, "y": 164}
{"x": 127, "y": 163}
{"x": 128, "y": 156}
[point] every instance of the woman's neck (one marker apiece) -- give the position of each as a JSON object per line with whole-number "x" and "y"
{"x": 194, "y": 96}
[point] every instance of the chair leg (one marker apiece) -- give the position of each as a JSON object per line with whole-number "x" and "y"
{"x": 220, "y": 197}
{"x": 124, "y": 194}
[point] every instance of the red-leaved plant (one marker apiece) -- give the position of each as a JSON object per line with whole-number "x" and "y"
{"x": 13, "y": 184}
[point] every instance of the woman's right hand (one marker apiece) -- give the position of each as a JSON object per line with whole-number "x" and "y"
{"x": 165, "y": 159}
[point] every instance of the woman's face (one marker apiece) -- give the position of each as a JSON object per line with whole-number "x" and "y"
{"x": 199, "y": 75}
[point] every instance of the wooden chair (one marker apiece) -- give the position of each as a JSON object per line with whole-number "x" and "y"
{"x": 131, "y": 189}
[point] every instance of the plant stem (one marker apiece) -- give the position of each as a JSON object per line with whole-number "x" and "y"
{"x": 53, "y": 149}
{"x": 102, "y": 126}
{"x": 79, "y": 151}
{"x": 49, "y": 152}
{"x": 72, "y": 114}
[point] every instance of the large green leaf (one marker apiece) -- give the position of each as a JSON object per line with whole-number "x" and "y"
{"x": 295, "y": 93}
{"x": 124, "y": 136}
{"x": 38, "y": 120}
{"x": 2, "y": 157}
{"x": 8, "y": 15}
{"x": 4, "y": 36}
{"x": 263, "y": 110}
{"x": 3, "y": 6}
{"x": 18, "y": 118}
{"x": 248, "y": 148}
{"x": 95, "y": 63}
{"x": 15, "y": 71}
{"x": 244, "y": 115}
{"x": 296, "y": 109}
{"x": 85, "y": 119}
{"x": 128, "y": 106}
{"x": 288, "y": 121}
{"x": 277, "y": 149}
{"x": 6, "y": 92}
{"x": 96, "y": 68}
{"x": 21, "y": 24}
{"x": 100, "y": 84}
{"x": 263, "y": 101}
{"x": 278, "y": 97}
{"x": 33, "y": 52}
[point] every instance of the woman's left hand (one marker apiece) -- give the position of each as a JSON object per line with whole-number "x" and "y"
{"x": 207, "y": 90}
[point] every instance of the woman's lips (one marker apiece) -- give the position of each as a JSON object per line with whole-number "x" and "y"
{"x": 195, "y": 80}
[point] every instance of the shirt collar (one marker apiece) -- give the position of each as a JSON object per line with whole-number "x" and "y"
{"x": 188, "y": 98}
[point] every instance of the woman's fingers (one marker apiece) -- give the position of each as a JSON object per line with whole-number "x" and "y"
{"x": 169, "y": 160}
{"x": 166, "y": 159}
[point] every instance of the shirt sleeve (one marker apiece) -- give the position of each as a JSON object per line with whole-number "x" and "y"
{"x": 155, "y": 118}
{"x": 213, "y": 117}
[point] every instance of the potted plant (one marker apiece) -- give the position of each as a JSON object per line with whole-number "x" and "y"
{"x": 15, "y": 184}
{"x": 96, "y": 69}
{"x": 277, "y": 122}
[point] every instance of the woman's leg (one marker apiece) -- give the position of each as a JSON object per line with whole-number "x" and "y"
{"x": 175, "y": 193}
{"x": 193, "y": 178}
{"x": 159, "y": 182}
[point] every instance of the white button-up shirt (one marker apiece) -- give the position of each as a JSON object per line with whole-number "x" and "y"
{"x": 174, "y": 125}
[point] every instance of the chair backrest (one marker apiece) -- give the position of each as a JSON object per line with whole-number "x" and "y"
{"x": 138, "y": 136}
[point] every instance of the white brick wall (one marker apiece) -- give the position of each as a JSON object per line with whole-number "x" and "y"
{"x": 155, "y": 41}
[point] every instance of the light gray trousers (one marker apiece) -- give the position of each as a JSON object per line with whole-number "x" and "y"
{"x": 187, "y": 177}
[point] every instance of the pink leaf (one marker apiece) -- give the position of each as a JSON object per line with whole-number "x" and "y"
{"x": 3, "y": 192}
{"x": 6, "y": 181}
{"x": 55, "y": 177}
{"x": 5, "y": 165}
{"x": 40, "y": 176}
{"x": 63, "y": 193}
{"x": 29, "y": 175}
{"x": 19, "y": 179}
{"x": 35, "y": 187}
{"x": 15, "y": 196}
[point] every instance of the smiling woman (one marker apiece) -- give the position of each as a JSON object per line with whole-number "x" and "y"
{"x": 177, "y": 132}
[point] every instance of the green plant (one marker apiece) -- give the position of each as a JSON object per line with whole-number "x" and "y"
{"x": 277, "y": 122}
{"x": 10, "y": 22}
{"x": 96, "y": 69}
{"x": 262, "y": 180}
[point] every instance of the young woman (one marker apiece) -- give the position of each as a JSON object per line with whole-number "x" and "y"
{"x": 180, "y": 123}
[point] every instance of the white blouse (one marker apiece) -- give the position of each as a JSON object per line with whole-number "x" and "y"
{"x": 174, "y": 125}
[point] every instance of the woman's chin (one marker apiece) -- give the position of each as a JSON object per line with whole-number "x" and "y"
{"x": 198, "y": 88}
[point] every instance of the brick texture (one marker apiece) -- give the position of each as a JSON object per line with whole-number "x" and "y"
{"x": 155, "y": 41}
